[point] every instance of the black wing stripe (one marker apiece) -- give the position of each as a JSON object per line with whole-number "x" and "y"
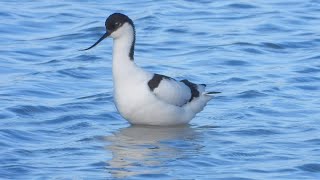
{"x": 193, "y": 87}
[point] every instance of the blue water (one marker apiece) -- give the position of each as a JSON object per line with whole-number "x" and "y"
{"x": 58, "y": 120}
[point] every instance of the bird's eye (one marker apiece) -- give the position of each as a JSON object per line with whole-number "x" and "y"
{"x": 117, "y": 23}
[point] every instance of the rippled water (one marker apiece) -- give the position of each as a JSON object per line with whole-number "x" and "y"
{"x": 58, "y": 120}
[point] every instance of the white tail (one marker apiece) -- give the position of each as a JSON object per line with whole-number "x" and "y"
{"x": 197, "y": 104}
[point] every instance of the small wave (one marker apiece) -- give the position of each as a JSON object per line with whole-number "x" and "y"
{"x": 151, "y": 175}
{"x": 86, "y": 58}
{"x": 147, "y": 18}
{"x": 309, "y": 70}
{"x": 271, "y": 28}
{"x": 29, "y": 110}
{"x": 256, "y": 132}
{"x": 251, "y": 94}
{"x": 315, "y": 141}
{"x": 305, "y": 79}
{"x": 75, "y": 73}
{"x": 244, "y": 44}
{"x": 236, "y": 63}
{"x": 314, "y": 167}
{"x": 80, "y": 117}
{"x": 95, "y": 31}
{"x": 5, "y": 14}
{"x": 98, "y": 97}
{"x": 177, "y": 30}
{"x": 39, "y": 93}
{"x": 298, "y": 44}
{"x": 78, "y": 126}
{"x": 272, "y": 45}
{"x": 13, "y": 135}
{"x": 235, "y": 79}
{"x": 99, "y": 164}
{"x": 245, "y": 155}
{"x": 15, "y": 170}
{"x": 242, "y": 6}
{"x": 308, "y": 87}
{"x": 317, "y": 57}
{"x": 50, "y": 62}
{"x": 61, "y": 37}
{"x": 4, "y": 116}
{"x": 253, "y": 50}
{"x": 66, "y": 119}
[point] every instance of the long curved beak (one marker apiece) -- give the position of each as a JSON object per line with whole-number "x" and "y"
{"x": 102, "y": 38}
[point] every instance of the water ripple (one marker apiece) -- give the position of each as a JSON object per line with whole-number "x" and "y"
{"x": 28, "y": 110}
{"x": 256, "y": 132}
{"x": 314, "y": 168}
{"x": 57, "y": 111}
{"x": 251, "y": 94}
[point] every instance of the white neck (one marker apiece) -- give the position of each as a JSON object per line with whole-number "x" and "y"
{"x": 122, "y": 65}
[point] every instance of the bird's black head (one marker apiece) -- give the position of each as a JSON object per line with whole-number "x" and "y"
{"x": 116, "y": 20}
{"x": 113, "y": 25}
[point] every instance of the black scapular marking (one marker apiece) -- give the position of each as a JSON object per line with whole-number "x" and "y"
{"x": 155, "y": 81}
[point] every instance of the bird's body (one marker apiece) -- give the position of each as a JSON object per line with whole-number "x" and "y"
{"x": 146, "y": 98}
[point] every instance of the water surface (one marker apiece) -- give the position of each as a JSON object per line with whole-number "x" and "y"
{"x": 58, "y": 120}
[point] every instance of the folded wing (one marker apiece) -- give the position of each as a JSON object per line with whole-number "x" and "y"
{"x": 174, "y": 92}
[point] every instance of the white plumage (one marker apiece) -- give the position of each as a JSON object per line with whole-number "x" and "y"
{"x": 142, "y": 97}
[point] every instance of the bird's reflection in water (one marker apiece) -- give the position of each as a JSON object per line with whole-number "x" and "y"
{"x": 149, "y": 150}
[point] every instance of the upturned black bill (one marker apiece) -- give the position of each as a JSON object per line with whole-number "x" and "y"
{"x": 102, "y": 38}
